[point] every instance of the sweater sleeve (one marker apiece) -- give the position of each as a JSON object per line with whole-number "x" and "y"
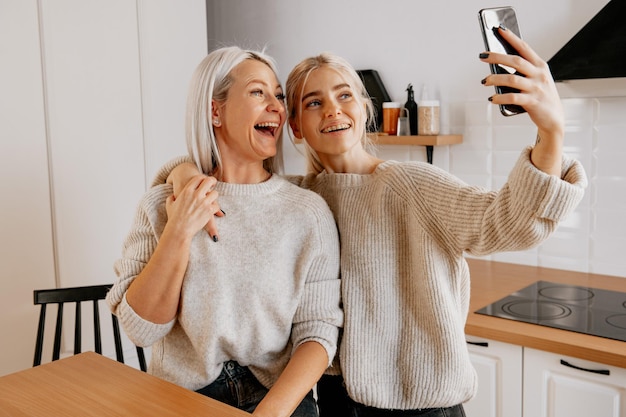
{"x": 319, "y": 315}
{"x": 527, "y": 210}
{"x": 522, "y": 214}
{"x": 137, "y": 249}
{"x": 554, "y": 198}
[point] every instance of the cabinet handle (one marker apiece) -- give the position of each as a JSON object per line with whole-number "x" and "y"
{"x": 595, "y": 371}
{"x": 482, "y": 344}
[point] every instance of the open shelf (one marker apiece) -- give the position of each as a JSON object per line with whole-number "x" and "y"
{"x": 439, "y": 140}
{"x": 429, "y": 141}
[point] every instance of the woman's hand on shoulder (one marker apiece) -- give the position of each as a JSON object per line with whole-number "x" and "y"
{"x": 181, "y": 176}
{"x": 195, "y": 207}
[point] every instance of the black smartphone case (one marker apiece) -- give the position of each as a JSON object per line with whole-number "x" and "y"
{"x": 490, "y": 20}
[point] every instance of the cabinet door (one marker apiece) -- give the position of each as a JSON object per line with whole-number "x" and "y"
{"x": 26, "y": 251}
{"x": 499, "y": 369}
{"x": 560, "y": 386}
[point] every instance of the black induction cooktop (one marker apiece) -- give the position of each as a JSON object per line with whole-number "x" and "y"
{"x": 580, "y": 309}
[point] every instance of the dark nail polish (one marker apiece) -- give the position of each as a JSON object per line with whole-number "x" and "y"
{"x": 215, "y": 239}
{"x": 490, "y": 99}
{"x": 223, "y": 212}
{"x": 483, "y": 55}
{"x": 484, "y": 80}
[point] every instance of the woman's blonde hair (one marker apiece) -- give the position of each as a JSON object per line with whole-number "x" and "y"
{"x": 211, "y": 81}
{"x": 295, "y": 89}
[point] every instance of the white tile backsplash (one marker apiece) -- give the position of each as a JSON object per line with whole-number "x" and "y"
{"x": 606, "y": 255}
{"x": 476, "y": 137}
{"x": 611, "y": 138}
{"x": 610, "y": 193}
{"x": 578, "y": 111}
{"x": 610, "y": 223}
{"x": 478, "y": 113}
{"x": 504, "y": 161}
{"x": 471, "y": 162}
{"x": 514, "y": 138}
{"x": 611, "y": 111}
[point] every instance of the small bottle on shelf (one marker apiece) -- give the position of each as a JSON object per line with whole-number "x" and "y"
{"x": 411, "y": 106}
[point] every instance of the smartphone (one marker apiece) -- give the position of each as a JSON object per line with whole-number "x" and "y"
{"x": 490, "y": 20}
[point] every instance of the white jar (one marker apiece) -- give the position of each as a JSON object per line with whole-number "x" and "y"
{"x": 428, "y": 121}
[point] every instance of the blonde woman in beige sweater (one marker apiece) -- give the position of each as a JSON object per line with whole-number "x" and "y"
{"x": 404, "y": 228}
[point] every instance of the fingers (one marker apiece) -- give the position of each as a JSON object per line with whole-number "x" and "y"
{"x": 201, "y": 188}
{"x": 520, "y": 46}
{"x": 200, "y": 184}
{"x": 527, "y": 63}
{"x": 211, "y": 226}
{"x": 211, "y": 229}
{"x": 531, "y": 77}
{"x": 190, "y": 210}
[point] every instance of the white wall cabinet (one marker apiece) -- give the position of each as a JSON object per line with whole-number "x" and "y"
{"x": 499, "y": 369}
{"x": 560, "y": 386}
{"x": 521, "y": 382}
{"x": 93, "y": 102}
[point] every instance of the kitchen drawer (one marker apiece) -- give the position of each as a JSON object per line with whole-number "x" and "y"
{"x": 561, "y": 386}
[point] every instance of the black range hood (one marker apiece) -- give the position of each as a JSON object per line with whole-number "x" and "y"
{"x": 598, "y": 50}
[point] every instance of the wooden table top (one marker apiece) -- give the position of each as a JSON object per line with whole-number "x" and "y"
{"x": 89, "y": 384}
{"x": 491, "y": 281}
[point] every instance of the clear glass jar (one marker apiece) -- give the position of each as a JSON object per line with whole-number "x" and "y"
{"x": 428, "y": 122}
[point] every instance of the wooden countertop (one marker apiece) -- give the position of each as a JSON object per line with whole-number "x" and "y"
{"x": 89, "y": 384}
{"x": 491, "y": 281}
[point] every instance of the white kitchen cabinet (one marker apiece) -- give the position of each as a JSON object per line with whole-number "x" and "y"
{"x": 521, "y": 382}
{"x": 560, "y": 386}
{"x": 499, "y": 369}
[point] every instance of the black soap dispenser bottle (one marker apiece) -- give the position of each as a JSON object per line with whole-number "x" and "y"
{"x": 411, "y": 106}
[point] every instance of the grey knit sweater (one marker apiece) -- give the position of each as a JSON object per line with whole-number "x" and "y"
{"x": 268, "y": 285}
{"x": 404, "y": 230}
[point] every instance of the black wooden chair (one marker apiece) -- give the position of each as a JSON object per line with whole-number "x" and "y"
{"x": 77, "y": 295}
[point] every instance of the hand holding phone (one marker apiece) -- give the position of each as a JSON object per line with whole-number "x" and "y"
{"x": 490, "y": 20}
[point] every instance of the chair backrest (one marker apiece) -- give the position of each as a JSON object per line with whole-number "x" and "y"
{"x": 76, "y": 295}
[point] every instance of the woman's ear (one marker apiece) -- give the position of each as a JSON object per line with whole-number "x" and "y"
{"x": 295, "y": 129}
{"x": 216, "y": 113}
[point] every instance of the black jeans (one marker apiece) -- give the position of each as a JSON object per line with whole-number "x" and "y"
{"x": 333, "y": 401}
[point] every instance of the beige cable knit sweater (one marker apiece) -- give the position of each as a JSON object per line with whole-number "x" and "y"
{"x": 405, "y": 282}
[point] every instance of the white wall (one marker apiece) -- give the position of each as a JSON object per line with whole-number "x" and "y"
{"x": 437, "y": 43}
{"x": 93, "y": 101}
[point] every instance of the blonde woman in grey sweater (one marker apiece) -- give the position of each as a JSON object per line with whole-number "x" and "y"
{"x": 404, "y": 228}
{"x": 251, "y": 320}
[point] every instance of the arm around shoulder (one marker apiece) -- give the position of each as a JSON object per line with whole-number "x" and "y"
{"x": 163, "y": 173}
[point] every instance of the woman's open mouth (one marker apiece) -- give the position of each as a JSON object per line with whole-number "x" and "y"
{"x": 268, "y": 128}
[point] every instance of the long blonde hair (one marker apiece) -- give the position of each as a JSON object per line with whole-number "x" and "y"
{"x": 295, "y": 89}
{"x": 211, "y": 81}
